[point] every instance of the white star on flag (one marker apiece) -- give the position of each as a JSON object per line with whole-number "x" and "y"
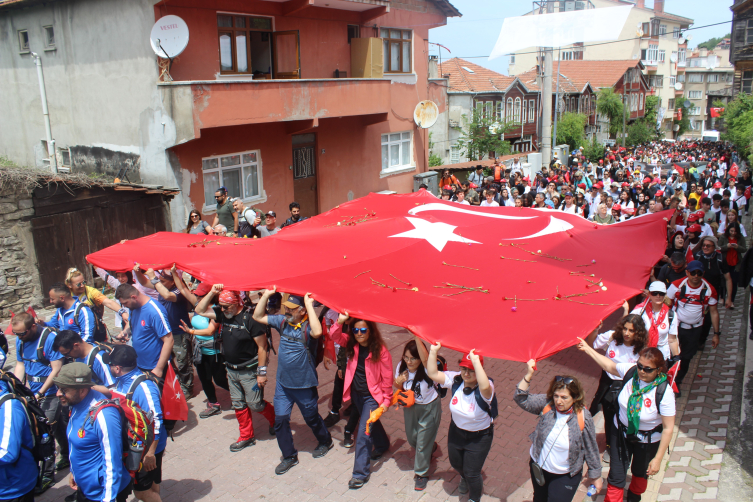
{"x": 437, "y": 234}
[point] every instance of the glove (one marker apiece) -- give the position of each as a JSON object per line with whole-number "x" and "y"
{"x": 403, "y": 398}
{"x": 373, "y": 417}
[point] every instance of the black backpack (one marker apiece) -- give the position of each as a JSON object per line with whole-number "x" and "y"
{"x": 41, "y": 358}
{"x": 41, "y": 431}
{"x": 100, "y": 329}
{"x": 99, "y": 348}
{"x": 311, "y": 344}
{"x": 492, "y": 411}
{"x": 660, "y": 390}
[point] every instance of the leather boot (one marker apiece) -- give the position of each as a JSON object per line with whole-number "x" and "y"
{"x": 246, "y": 428}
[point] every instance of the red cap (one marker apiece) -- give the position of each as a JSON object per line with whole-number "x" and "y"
{"x": 582, "y": 185}
{"x": 599, "y": 185}
{"x": 659, "y": 193}
{"x": 503, "y": 180}
{"x": 466, "y": 361}
{"x": 473, "y": 185}
{"x": 695, "y": 228}
{"x": 616, "y": 207}
{"x": 647, "y": 180}
{"x": 701, "y": 214}
{"x": 601, "y": 161}
{"x": 625, "y": 184}
{"x": 694, "y": 217}
{"x": 446, "y": 187}
{"x": 718, "y": 184}
{"x": 526, "y": 179}
{"x": 202, "y": 289}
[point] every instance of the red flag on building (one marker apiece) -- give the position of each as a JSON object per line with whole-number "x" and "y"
{"x": 174, "y": 405}
{"x": 679, "y": 114}
{"x": 716, "y": 112}
{"x": 415, "y": 261}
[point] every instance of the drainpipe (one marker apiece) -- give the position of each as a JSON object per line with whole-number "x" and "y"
{"x": 45, "y": 111}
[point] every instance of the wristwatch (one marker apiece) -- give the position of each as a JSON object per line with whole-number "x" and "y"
{"x": 154, "y": 281}
{"x": 261, "y": 371}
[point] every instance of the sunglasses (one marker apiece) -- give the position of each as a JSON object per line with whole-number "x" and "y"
{"x": 567, "y": 380}
{"x": 225, "y": 307}
{"x": 696, "y": 273}
{"x": 645, "y": 368}
{"x": 657, "y": 293}
{"x": 195, "y": 216}
{"x": 218, "y": 196}
{"x": 363, "y": 331}
{"x": 21, "y": 333}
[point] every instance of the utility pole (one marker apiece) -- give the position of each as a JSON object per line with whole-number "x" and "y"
{"x": 546, "y": 109}
{"x": 46, "y": 112}
{"x": 557, "y": 99}
{"x": 625, "y": 104}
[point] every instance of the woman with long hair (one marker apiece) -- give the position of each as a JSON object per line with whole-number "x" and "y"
{"x": 644, "y": 421}
{"x": 732, "y": 244}
{"x": 196, "y": 225}
{"x": 676, "y": 245}
{"x": 732, "y": 219}
{"x": 557, "y": 459}
{"x": 421, "y": 418}
{"x": 556, "y": 201}
{"x": 368, "y": 382}
{"x": 626, "y": 201}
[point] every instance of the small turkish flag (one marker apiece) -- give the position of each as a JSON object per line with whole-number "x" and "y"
{"x": 679, "y": 169}
{"x": 31, "y": 312}
{"x": 672, "y": 374}
{"x": 734, "y": 170}
{"x": 174, "y": 406}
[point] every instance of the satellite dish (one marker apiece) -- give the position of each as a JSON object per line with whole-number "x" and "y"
{"x": 689, "y": 37}
{"x": 681, "y": 40}
{"x": 673, "y": 58}
{"x": 169, "y": 37}
{"x": 425, "y": 114}
{"x": 676, "y": 127}
{"x": 687, "y": 103}
{"x": 678, "y": 86}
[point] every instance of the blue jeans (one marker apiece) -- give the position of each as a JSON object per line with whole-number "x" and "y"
{"x": 307, "y": 401}
{"x": 377, "y": 441}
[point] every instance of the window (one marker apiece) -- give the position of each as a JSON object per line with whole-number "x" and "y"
{"x": 489, "y": 109}
{"x": 653, "y": 52}
{"x": 695, "y": 110}
{"x": 747, "y": 82}
{"x": 49, "y": 37}
{"x": 239, "y": 173}
{"x": 517, "y": 110}
{"x": 674, "y": 56}
{"x": 681, "y": 56}
{"x": 65, "y": 157}
{"x": 671, "y": 104}
{"x": 695, "y": 95}
{"x": 713, "y": 78}
{"x": 397, "y": 50}
{"x": 525, "y": 109}
{"x": 675, "y": 32}
{"x": 672, "y": 80}
{"x": 572, "y": 55}
{"x": 354, "y": 31}
{"x": 512, "y": 58}
{"x": 508, "y": 112}
{"x": 695, "y": 78}
{"x": 662, "y": 30}
{"x": 396, "y": 150}
{"x": 681, "y": 77}
{"x": 646, "y": 29}
{"x": 656, "y": 80}
{"x": 238, "y": 38}
{"x": 744, "y": 32}
{"x": 23, "y": 40}
{"x": 500, "y": 111}
{"x": 640, "y": 102}
{"x": 531, "y": 110}
{"x": 455, "y": 154}
{"x": 662, "y": 56}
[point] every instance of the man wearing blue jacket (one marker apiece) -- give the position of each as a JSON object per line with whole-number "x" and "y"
{"x": 71, "y": 313}
{"x": 145, "y": 393}
{"x": 70, "y": 344}
{"x": 18, "y": 470}
{"x": 96, "y": 447}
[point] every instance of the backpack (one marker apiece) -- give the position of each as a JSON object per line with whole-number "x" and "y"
{"x": 40, "y": 348}
{"x": 100, "y": 329}
{"x": 43, "y": 445}
{"x": 137, "y": 437}
{"x": 312, "y": 345}
{"x": 660, "y": 390}
{"x": 99, "y": 348}
{"x": 580, "y": 414}
{"x": 683, "y": 289}
{"x": 492, "y": 411}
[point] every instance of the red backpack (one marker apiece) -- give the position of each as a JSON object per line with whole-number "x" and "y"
{"x": 137, "y": 437}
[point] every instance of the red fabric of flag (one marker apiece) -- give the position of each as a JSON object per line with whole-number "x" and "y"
{"x": 513, "y": 283}
{"x": 174, "y": 405}
{"x": 734, "y": 170}
{"x": 679, "y": 169}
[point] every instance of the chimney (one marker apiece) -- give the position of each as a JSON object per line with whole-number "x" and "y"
{"x": 640, "y": 3}
{"x": 658, "y": 5}
{"x": 703, "y": 52}
{"x": 433, "y": 67}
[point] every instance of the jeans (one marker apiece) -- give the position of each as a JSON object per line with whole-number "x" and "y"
{"x": 467, "y": 452}
{"x": 212, "y": 368}
{"x": 183, "y": 363}
{"x": 689, "y": 339}
{"x": 59, "y": 422}
{"x": 557, "y": 487}
{"x": 376, "y": 441}
{"x": 421, "y": 426}
{"x": 307, "y": 401}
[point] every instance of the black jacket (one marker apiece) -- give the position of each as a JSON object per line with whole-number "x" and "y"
{"x": 746, "y": 269}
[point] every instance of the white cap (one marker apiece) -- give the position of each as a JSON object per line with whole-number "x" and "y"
{"x": 657, "y": 286}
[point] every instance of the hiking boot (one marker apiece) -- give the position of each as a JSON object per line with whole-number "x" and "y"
{"x": 420, "y": 483}
{"x": 242, "y": 443}
{"x": 61, "y": 464}
{"x": 71, "y": 497}
{"x": 212, "y": 410}
{"x": 355, "y": 483}
{"x": 44, "y": 485}
{"x": 463, "y": 486}
{"x": 286, "y": 464}
{"x": 348, "y": 439}
{"x": 322, "y": 449}
{"x": 332, "y": 419}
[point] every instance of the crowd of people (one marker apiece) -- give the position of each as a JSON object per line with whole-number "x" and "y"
{"x": 71, "y": 364}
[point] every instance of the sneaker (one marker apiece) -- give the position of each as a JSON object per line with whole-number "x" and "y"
{"x": 242, "y": 443}
{"x": 332, "y": 419}
{"x": 348, "y": 439}
{"x": 355, "y": 483}
{"x": 605, "y": 457}
{"x": 71, "y": 497}
{"x": 212, "y": 410}
{"x": 463, "y": 486}
{"x": 61, "y": 464}
{"x": 420, "y": 483}
{"x": 44, "y": 485}
{"x": 377, "y": 454}
{"x": 286, "y": 464}
{"x": 322, "y": 449}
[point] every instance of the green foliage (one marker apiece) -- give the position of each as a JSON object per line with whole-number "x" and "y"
{"x": 593, "y": 150}
{"x": 738, "y": 117}
{"x": 571, "y": 129}
{"x": 684, "y": 123}
{"x": 713, "y": 42}
{"x": 639, "y": 132}
{"x": 609, "y": 104}
{"x": 477, "y": 141}
{"x": 435, "y": 160}
{"x": 651, "y": 110}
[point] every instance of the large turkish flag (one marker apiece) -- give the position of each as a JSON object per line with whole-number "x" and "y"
{"x": 513, "y": 283}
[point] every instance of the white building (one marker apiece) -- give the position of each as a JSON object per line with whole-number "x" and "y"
{"x": 707, "y": 72}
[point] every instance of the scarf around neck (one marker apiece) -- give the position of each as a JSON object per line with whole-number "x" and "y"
{"x": 635, "y": 401}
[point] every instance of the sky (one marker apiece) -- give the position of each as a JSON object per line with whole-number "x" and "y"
{"x": 475, "y": 33}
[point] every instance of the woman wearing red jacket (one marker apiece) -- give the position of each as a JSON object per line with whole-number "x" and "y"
{"x": 368, "y": 382}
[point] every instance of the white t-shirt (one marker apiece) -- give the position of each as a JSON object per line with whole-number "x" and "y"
{"x": 617, "y": 353}
{"x": 494, "y": 203}
{"x": 723, "y": 227}
{"x": 466, "y": 413}
{"x": 428, "y": 392}
{"x": 572, "y": 209}
{"x": 554, "y": 456}
{"x": 689, "y": 309}
{"x": 665, "y": 328}
{"x": 650, "y": 417}
{"x": 464, "y": 202}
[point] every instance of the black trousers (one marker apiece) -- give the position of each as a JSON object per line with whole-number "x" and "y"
{"x": 557, "y": 487}
{"x": 212, "y": 371}
{"x": 626, "y": 454}
{"x": 467, "y": 451}
{"x": 337, "y": 393}
{"x": 29, "y": 497}
{"x": 706, "y": 329}
{"x": 689, "y": 339}
{"x": 735, "y": 276}
{"x": 121, "y": 497}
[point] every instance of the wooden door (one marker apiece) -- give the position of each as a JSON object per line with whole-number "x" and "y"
{"x": 304, "y": 173}
{"x": 287, "y": 53}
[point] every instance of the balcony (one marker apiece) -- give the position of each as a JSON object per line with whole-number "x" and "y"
{"x": 300, "y": 102}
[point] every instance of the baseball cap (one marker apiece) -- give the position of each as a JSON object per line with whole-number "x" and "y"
{"x": 695, "y": 265}
{"x": 694, "y": 217}
{"x": 293, "y": 302}
{"x": 625, "y": 184}
{"x": 659, "y": 193}
{"x": 271, "y": 213}
{"x": 657, "y": 286}
{"x": 473, "y": 185}
{"x": 202, "y": 289}
{"x": 695, "y": 228}
{"x": 503, "y": 180}
{"x": 600, "y": 185}
{"x": 446, "y": 187}
{"x": 466, "y": 361}
{"x": 718, "y": 184}
{"x": 601, "y": 161}
{"x": 647, "y": 180}
{"x": 616, "y": 207}
{"x": 74, "y": 375}
{"x": 568, "y": 194}
{"x": 123, "y": 355}
{"x": 701, "y": 214}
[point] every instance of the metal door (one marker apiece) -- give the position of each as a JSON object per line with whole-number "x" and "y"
{"x": 304, "y": 173}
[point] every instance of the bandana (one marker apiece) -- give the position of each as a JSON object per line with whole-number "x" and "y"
{"x": 300, "y": 324}
{"x": 230, "y": 297}
{"x": 635, "y": 402}
{"x": 653, "y": 331}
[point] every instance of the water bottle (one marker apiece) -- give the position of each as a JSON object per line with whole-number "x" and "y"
{"x": 46, "y": 448}
{"x": 591, "y": 491}
{"x": 134, "y": 454}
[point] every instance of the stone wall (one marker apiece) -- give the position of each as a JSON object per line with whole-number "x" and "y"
{"x": 19, "y": 278}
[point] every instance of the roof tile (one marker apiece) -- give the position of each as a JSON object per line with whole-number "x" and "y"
{"x": 478, "y": 79}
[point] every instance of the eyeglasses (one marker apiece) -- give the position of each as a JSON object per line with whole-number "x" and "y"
{"x": 696, "y": 273}
{"x": 657, "y": 293}
{"x": 410, "y": 359}
{"x": 195, "y": 216}
{"x": 363, "y": 331}
{"x": 463, "y": 369}
{"x": 567, "y": 380}
{"x": 82, "y": 283}
{"x": 225, "y": 307}
{"x": 218, "y": 196}
{"x": 21, "y": 333}
{"x": 645, "y": 368}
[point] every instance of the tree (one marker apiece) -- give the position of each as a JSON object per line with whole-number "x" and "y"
{"x": 713, "y": 42}
{"x": 738, "y": 117}
{"x": 434, "y": 159}
{"x": 571, "y": 129}
{"x": 609, "y": 104}
{"x": 684, "y": 122}
{"x": 483, "y": 134}
{"x": 639, "y": 132}
{"x": 593, "y": 150}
